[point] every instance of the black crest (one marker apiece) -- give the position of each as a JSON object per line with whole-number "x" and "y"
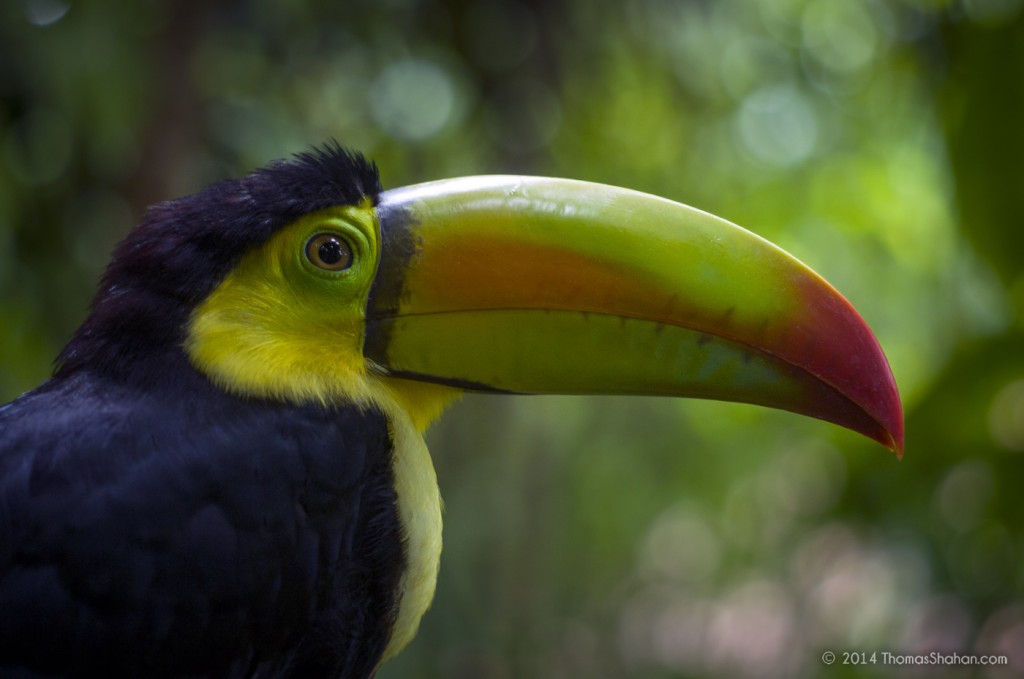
{"x": 183, "y": 248}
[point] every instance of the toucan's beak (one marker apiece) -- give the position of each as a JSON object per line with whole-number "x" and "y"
{"x": 531, "y": 285}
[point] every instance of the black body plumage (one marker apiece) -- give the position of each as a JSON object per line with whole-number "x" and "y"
{"x": 152, "y": 525}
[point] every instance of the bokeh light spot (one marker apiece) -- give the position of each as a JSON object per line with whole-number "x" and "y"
{"x": 840, "y": 35}
{"x": 681, "y": 546}
{"x": 1003, "y": 634}
{"x": 46, "y": 12}
{"x": 748, "y": 62}
{"x": 413, "y": 99}
{"x": 777, "y": 124}
{"x": 754, "y": 633}
{"x": 964, "y": 494}
{"x": 1006, "y": 417}
{"x": 940, "y": 623}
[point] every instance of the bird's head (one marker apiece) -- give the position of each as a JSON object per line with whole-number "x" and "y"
{"x": 304, "y": 281}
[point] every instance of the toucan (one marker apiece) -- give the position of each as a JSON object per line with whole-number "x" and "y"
{"x": 226, "y": 474}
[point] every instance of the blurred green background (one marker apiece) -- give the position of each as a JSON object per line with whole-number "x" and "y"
{"x": 881, "y": 142}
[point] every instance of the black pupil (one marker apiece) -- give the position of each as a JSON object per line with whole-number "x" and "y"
{"x": 331, "y": 252}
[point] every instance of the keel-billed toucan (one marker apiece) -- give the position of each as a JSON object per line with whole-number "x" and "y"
{"x": 226, "y": 475}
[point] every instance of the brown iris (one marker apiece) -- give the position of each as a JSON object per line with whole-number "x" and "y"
{"x": 329, "y": 251}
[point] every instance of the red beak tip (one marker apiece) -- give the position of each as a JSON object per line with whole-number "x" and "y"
{"x": 894, "y": 438}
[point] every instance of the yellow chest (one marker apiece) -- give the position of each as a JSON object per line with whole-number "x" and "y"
{"x": 419, "y": 510}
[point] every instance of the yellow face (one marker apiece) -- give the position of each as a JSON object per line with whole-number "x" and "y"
{"x": 288, "y": 322}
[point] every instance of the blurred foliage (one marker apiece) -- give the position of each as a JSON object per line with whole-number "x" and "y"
{"x": 604, "y": 537}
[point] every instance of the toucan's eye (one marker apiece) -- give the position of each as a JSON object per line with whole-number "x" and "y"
{"x": 329, "y": 251}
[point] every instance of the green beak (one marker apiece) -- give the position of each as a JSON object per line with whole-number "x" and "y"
{"x": 531, "y": 285}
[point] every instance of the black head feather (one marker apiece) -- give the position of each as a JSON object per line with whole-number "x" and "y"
{"x": 183, "y": 248}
